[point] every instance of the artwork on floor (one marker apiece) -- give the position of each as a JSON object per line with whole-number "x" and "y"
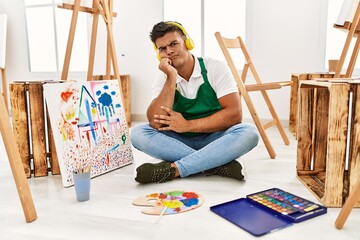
{"x": 89, "y": 127}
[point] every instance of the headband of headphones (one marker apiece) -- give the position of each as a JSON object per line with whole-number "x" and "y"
{"x": 188, "y": 41}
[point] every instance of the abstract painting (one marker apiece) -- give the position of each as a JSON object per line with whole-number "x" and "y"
{"x": 89, "y": 127}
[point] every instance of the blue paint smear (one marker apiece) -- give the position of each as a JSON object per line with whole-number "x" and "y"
{"x": 190, "y": 202}
{"x": 113, "y": 148}
{"x": 105, "y": 99}
{"x": 84, "y": 125}
{"x": 106, "y": 87}
{"x": 98, "y": 93}
{"x": 107, "y": 119}
{"x": 118, "y": 105}
{"x": 113, "y": 93}
{"x": 88, "y": 111}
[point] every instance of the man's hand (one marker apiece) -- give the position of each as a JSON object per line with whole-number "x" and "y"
{"x": 166, "y": 67}
{"x": 174, "y": 121}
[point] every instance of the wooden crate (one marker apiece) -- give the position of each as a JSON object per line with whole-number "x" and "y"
{"x": 31, "y": 125}
{"x": 328, "y": 162}
{"x": 32, "y": 129}
{"x": 125, "y": 88}
{"x": 296, "y": 78}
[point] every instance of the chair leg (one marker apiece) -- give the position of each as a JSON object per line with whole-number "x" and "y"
{"x": 276, "y": 118}
{"x": 348, "y": 206}
{"x": 265, "y": 138}
{"x": 259, "y": 125}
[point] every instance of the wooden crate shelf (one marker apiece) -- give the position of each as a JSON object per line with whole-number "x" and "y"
{"x": 296, "y": 78}
{"x": 32, "y": 129}
{"x": 327, "y": 153}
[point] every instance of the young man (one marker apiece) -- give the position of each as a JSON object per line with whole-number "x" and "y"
{"x": 195, "y": 115}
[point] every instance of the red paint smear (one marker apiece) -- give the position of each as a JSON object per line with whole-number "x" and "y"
{"x": 177, "y": 209}
{"x": 107, "y": 159}
{"x": 66, "y": 95}
{"x": 163, "y": 196}
{"x": 104, "y": 130}
{"x": 190, "y": 195}
{"x": 87, "y": 136}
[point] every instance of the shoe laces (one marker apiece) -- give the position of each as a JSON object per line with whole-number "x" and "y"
{"x": 221, "y": 171}
{"x": 163, "y": 175}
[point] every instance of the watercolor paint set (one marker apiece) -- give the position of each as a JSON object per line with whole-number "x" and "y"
{"x": 267, "y": 211}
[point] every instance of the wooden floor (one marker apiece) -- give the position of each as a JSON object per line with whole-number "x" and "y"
{"x": 110, "y": 214}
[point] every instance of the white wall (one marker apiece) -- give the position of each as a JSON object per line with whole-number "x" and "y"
{"x": 283, "y": 38}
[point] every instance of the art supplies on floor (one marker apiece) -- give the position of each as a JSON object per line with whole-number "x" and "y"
{"x": 267, "y": 211}
{"x": 166, "y": 203}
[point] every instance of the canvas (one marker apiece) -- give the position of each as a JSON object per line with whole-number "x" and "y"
{"x": 3, "y": 27}
{"x": 89, "y": 127}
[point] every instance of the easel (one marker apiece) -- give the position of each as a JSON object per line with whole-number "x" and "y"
{"x": 103, "y": 7}
{"x": 16, "y": 165}
{"x": 354, "y": 195}
{"x": 352, "y": 32}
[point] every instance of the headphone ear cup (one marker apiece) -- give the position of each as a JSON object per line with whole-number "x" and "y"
{"x": 189, "y": 44}
{"x": 157, "y": 52}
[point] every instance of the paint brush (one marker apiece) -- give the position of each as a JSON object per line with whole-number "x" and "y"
{"x": 161, "y": 214}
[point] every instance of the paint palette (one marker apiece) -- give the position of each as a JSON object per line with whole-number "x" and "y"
{"x": 286, "y": 203}
{"x": 267, "y": 211}
{"x": 166, "y": 203}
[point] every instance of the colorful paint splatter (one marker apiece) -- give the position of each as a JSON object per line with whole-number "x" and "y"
{"x": 89, "y": 127}
{"x": 169, "y": 202}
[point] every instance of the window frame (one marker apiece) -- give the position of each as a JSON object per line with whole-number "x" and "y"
{"x": 58, "y": 61}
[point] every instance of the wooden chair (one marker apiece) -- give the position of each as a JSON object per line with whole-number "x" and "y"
{"x": 244, "y": 89}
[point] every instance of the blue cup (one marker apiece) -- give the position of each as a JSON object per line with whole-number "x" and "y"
{"x": 82, "y": 186}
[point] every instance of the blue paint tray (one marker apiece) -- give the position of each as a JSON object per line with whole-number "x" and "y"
{"x": 267, "y": 211}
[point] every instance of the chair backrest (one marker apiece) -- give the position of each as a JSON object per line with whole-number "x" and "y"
{"x": 226, "y": 43}
{"x": 232, "y": 43}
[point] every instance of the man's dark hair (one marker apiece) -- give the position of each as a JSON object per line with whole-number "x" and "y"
{"x": 162, "y": 28}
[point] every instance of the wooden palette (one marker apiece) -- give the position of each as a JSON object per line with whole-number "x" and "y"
{"x": 169, "y": 202}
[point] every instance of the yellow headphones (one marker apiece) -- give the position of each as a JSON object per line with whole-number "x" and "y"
{"x": 189, "y": 43}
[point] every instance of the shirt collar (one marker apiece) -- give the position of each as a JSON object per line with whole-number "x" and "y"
{"x": 196, "y": 72}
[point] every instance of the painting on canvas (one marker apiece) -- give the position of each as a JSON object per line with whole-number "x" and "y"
{"x": 89, "y": 127}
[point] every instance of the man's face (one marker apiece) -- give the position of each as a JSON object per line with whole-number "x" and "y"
{"x": 172, "y": 46}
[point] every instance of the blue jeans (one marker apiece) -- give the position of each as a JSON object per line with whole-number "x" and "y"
{"x": 196, "y": 154}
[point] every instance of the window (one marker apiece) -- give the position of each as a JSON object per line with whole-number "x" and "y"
{"x": 204, "y": 18}
{"x": 47, "y": 37}
{"x": 335, "y": 38}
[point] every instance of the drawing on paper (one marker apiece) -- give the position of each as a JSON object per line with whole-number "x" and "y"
{"x": 89, "y": 127}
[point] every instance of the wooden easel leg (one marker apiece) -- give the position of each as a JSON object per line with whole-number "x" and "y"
{"x": 70, "y": 42}
{"x": 16, "y": 165}
{"x": 4, "y": 87}
{"x": 348, "y": 206}
{"x": 353, "y": 58}
{"x": 111, "y": 43}
{"x": 92, "y": 46}
{"x": 347, "y": 42}
{"x": 108, "y": 59}
{"x": 108, "y": 48}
